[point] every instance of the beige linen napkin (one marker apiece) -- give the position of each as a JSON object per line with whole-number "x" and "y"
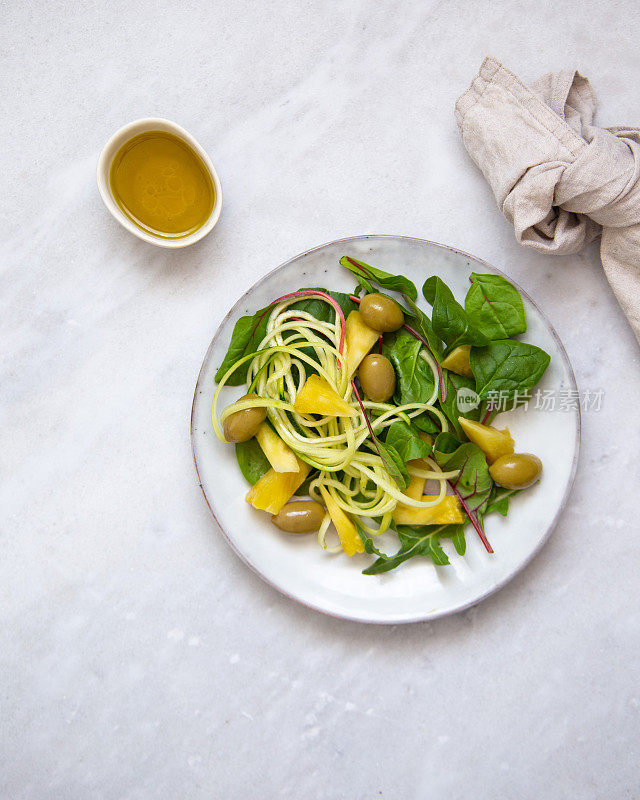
{"x": 560, "y": 180}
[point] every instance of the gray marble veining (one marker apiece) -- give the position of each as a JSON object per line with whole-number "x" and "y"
{"x": 138, "y": 657}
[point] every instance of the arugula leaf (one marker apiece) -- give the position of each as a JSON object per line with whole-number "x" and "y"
{"x": 368, "y": 275}
{"x": 406, "y": 441}
{"x": 499, "y": 500}
{"x": 252, "y": 461}
{"x": 459, "y": 541}
{"x": 247, "y": 334}
{"x": 449, "y": 319}
{"x": 423, "y": 540}
{"x": 414, "y": 376}
{"x": 449, "y": 406}
{"x": 473, "y": 483}
{"x": 494, "y": 306}
{"x": 367, "y": 541}
{"x": 508, "y": 366}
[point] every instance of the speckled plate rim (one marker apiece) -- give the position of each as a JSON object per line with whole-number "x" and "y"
{"x": 437, "y": 613}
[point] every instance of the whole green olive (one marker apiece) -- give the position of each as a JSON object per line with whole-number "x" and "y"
{"x": 377, "y": 377}
{"x": 299, "y": 516}
{"x": 516, "y": 471}
{"x": 243, "y": 425}
{"x": 381, "y": 313}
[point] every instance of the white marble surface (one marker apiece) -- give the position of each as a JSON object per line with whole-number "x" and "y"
{"x": 138, "y": 657}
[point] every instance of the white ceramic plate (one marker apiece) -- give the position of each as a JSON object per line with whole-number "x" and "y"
{"x": 417, "y": 590}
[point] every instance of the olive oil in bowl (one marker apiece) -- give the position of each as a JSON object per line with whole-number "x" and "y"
{"x": 162, "y": 185}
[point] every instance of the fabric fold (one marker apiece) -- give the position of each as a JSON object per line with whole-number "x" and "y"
{"x": 559, "y": 179}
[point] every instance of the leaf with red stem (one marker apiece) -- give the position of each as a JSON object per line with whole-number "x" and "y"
{"x": 485, "y": 419}
{"x": 441, "y": 383}
{"x": 389, "y": 455}
{"x": 368, "y": 275}
{"x": 473, "y": 483}
{"x": 473, "y": 519}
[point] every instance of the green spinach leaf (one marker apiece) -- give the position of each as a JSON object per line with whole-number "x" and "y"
{"x": 247, "y": 334}
{"x": 394, "y": 464}
{"x": 423, "y": 325}
{"x": 405, "y": 439}
{"x": 414, "y": 376}
{"x": 249, "y": 331}
{"x": 449, "y": 319}
{"x": 252, "y": 461}
{"x": 494, "y": 306}
{"x": 426, "y": 424}
{"x": 507, "y": 366}
{"x": 449, "y": 406}
{"x": 367, "y": 276}
{"x": 320, "y": 309}
{"x": 473, "y": 483}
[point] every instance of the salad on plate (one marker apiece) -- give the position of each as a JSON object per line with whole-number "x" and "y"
{"x": 364, "y": 413}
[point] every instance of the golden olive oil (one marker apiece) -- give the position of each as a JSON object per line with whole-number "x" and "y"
{"x": 162, "y": 185}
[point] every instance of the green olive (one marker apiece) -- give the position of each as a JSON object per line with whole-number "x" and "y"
{"x": 381, "y": 313}
{"x": 243, "y": 425}
{"x": 377, "y": 377}
{"x": 299, "y": 516}
{"x": 516, "y": 471}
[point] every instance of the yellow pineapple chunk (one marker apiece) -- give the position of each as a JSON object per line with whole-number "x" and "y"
{"x": 416, "y": 485}
{"x": 446, "y": 512}
{"x": 359, "y": 338}
{"x": 492, "y": 441}
{"x": 458, "y": 361}
{"x": 281, "y": 457}
{"x": 349, "y": 538}
{"x": 317, "y": 396}
{"x": 275, "y": 489}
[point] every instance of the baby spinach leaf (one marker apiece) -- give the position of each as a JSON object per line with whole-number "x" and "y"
{"x": 426, "y": 423}
{"x": 250, "y": 330}
{"x": 322, "y": 310}
{"x": 449, "y": 406}
{"x": 445, "y": 444}
{"x": 494, "y": 306}
{"x": 473, "y": 483}
{"x": 508, "y": 366}
{"x": 406, "y": 441}
{"x": 368, "y": 275}
{"x": 422, "y": 324}
{"x": 394, "y": 464}
{"x": 247, "y": 334}
{"x": 414, "y": 376}
{"x": 252, "y": 461}
{"x": 449, "y": 319}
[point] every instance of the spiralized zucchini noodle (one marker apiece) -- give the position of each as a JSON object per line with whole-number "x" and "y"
{"x": 297, "y": 344}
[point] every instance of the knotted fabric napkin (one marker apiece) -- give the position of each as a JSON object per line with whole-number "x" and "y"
{"x": 558, "y": 178}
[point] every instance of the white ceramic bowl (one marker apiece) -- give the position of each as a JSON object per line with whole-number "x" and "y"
{"x": 104, "y": 165}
